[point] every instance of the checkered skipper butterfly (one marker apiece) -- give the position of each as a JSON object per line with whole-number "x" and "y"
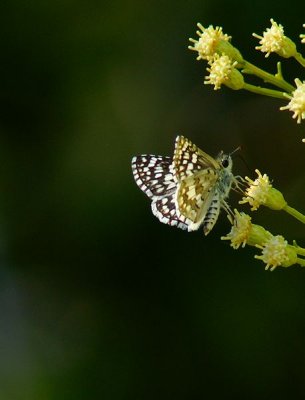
{"x": 187, "y": 190}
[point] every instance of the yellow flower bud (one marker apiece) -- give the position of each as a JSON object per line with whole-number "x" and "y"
{"x": 297, "y": 101}
{"x": 274, "y": 41}
{"x": 244, "y": 232}
{"x": 222, "y": 71}
{"x": 292, "y": 256}
{"x": 260, "y": 192}
{"x": 258, "y": 235}
{"x": 225, "y": 47}
{"x": 236, "y": 80}
{"x": 277, "y": 252}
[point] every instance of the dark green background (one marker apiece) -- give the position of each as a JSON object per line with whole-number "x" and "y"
{"x": 98, "y": 300}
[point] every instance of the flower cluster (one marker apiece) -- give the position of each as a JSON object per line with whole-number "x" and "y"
{"x": 297, "y": 101}
{"x": 274, "y": 41}
{"x": 226, "y": 65}
{"x": 260, "y": 192}
{"x": 275, "y": 249}
{"x": 244, "y": 232}
{"x": 222, "y": 71}
{"x": 214, "y": 46}
{"x": 274, "y": 253}
{"x": 208, "y": 42}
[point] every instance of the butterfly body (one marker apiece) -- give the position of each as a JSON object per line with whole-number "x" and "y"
{"x": 188, "y": 190}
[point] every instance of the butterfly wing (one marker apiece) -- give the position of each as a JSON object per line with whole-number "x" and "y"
{"x": 165, "y": 210}
{"x": 195, "y": 195}
{"x": 186, "y": 191}
{"x": 153, "y": 174}
{"x": 188, "y": 159}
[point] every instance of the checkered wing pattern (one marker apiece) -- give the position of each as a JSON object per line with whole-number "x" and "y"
{"x": 154, "y": 176}
{"x": 164, "y": 209}
{"x": 187, "y": 191}
{"x": 195, "y": 194}
{"x": 197, "y": 174}
{"x": 188, "y": 159}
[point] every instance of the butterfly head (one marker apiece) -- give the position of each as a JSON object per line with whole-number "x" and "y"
{"x": 225, "y": 160}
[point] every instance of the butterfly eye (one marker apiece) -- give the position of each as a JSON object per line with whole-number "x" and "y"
{"x": 225, "y": 162}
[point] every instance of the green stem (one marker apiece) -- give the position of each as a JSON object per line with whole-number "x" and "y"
{"x": 275, "y": 80}
{"x": 300, "y": 261}
{"x": 264, "y": 91}
{"x": 294, "y": 213}
{"x": 299, "y": 250}
{"x": 300, "y": 59}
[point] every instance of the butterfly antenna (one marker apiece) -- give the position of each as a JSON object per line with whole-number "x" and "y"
{"x": 241, "y": 157}
{"x": 235, "y": 151}
{"x": 245, "y": 162}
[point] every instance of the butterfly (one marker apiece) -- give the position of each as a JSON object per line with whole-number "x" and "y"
{"x": 187, "y": 190}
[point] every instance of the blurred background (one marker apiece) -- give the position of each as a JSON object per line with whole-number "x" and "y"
{"x": 98, "y": 300}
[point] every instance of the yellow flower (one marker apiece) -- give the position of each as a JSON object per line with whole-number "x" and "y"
{"x": 222, "y": 71}
{"x": 275, "y": 249}
{"x": 240, "y": 230}
{"x": 297, "y": 101}
{"x": 208, "y": 40}
{"x": 211, "y": 41}
{"x": 260, "y": 192}
{"x": 244, "y": 232}
{"x": 274, "y": 41}
{"x": 276, "y": 252}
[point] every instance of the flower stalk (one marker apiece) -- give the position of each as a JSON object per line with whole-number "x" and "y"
{"x": 276, "y": 80}
{"x": 227, "y": 67}
{"x": 294, "y": 213}
{"x": 214, "y": 46}
{"x": 300, "y": 59}
{"x": 275, "y": 250}
{"x": 264, "y": 91}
